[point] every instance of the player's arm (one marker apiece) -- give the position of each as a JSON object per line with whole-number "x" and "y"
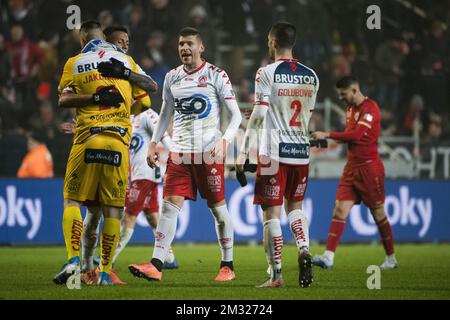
{"x": 347, "y": 136}
{"x": 163, "y": 123}
{"x": 261, "y": 105}
{"x": 107, "y": 96}
{"x": 141, "y": 101}
{"x": 116, "y": 69}
{"x": 228, "y": 98}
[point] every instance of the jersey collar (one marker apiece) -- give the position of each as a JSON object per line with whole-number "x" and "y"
{"x": 287, "y": 60}
{"x": 93, "y": 44}
{"x": 194, "y": 71}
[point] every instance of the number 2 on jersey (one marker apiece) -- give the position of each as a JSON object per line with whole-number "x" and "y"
{"x": 297, "y": 106}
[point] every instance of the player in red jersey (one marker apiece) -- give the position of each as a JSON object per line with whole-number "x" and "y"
{"x": 363, "y": 175}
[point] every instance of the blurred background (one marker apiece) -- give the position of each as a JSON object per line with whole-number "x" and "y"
{"x": 404, "y": 66}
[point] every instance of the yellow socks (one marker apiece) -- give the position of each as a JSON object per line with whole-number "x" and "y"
{"x": 108, "y": 243}
{"x": 72, "y": 230}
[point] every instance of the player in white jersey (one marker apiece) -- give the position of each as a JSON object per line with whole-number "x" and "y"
{"x": 192, "y": 93}
{"x": 285, "y": 95}
{"x": 142, "y": 194}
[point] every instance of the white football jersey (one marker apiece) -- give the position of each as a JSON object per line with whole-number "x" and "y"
{"x": 289, "y": 89}
{"x": 195, "y": 97}
{"x": 143, "y": 127}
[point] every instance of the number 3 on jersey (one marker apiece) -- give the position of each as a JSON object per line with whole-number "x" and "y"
{"x": 297, "y": 106}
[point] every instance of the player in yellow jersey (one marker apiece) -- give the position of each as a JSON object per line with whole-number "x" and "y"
{"x": 97, "y": 168}
{"x": 142, "y": 86}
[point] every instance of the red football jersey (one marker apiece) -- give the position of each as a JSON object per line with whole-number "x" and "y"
{"x": 361, "y": 132}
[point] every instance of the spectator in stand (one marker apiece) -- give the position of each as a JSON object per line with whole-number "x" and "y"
{"x": 26, "y": 57}
{"x": 388, "y": 61}
{"x": 38, "y": 161}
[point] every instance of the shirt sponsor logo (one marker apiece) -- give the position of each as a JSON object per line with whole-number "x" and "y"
{"x": 294, "y": 150}
{"x": 113, "y": 158}
{"x": 197, "y": 105}
{"x": 294, "y": 79}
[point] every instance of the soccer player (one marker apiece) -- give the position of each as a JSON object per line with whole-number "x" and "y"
{"x": 285, "y": 96}
{"x": 97, "y": 168}
{"x": 191, "y": 94}
{"x": 142, "y": 85}
{"x": 363, "y": 176}
{"x": 143, "y": 192}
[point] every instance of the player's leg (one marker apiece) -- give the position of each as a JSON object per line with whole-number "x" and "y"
{"x": 210, "y": 179}
{"x": 165, "y": 233}
{"x": 385, "y": 230}
{"x": 111, "y": 195}
{"x": 108, "y": 241}
{"x": 152, "y": 216}
{"x": 91, "y": 224}
{"x": 137, "y": 197}
{"x": 273, "y": 245}
{"x": 299, "y": 226}
{"x": 72, "y": 230}
{"x": 126, "y": 232}
{"x": 178, "y": 185}
{"x": 225, "y": 238}
{"x": 269, "y": 191}
{"x": 337, "y": 227}
{"x": 80, "y": 184}
{"x": 296, "y": 184}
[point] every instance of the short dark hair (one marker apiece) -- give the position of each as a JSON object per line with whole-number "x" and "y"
{"x": 189, "y": 31}
{"x": 346, "y": 82}
{"x": 90, "y": 25}
{"x": 285, "y": 33}
{"x": 108, "y": 31}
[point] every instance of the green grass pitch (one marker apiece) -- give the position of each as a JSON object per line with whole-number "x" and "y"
{"x": 424, "y": 273}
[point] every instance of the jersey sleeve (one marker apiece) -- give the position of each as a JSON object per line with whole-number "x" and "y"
{"x": 66, "y": 83}
{"x": 139, "y": 70}
{"x": 262, "y": 88}
{"x": 369, "y": 116}
{"x": 224, "y": 87}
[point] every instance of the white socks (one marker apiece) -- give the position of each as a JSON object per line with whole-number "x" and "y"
{"x": 170, "y": 257}
{"x": 299, "y": 227}
{"x": 165, "y": 232}
{"x": 91, "y": 225}
{"x": 273, "y": 245}
{"x": 224, "y": 231}
{"x": 125, "y": 236}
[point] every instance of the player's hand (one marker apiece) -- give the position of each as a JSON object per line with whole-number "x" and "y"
{"x": 107, "y": 96}
{"x": 152, "y": 156}
{"x": 320, "y": 135}
{"x": 240, "y": 161}
{"x": 220, "y": 150}
{"x": 67, "y": 127}
{"x": 114, "y": 69}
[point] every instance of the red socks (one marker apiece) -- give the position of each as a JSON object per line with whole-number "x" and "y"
{"x": 384, "y": 227}
{"x": 334, "y": 235}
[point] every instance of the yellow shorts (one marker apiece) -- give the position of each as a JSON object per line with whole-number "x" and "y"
{"x": 97, "y": 170}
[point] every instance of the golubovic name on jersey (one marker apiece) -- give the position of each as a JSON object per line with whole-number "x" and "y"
{"x": 294, "y": 79}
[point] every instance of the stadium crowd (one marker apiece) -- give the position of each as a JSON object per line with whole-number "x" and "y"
{"x": 404, "y": 65}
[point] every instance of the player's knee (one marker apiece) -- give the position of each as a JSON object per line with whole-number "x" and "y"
{"x": 340, "y": 213}
{"x": 378, "y": 213}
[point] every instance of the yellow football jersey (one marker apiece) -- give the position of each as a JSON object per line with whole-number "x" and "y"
{"x": 80, "y": 76}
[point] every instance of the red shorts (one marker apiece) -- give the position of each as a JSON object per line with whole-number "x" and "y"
{"x": 364, "y": 183}
{"x": 289, "y": 182}
{"x": 142, "y": 194}
{"x": 184, "y": 179}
